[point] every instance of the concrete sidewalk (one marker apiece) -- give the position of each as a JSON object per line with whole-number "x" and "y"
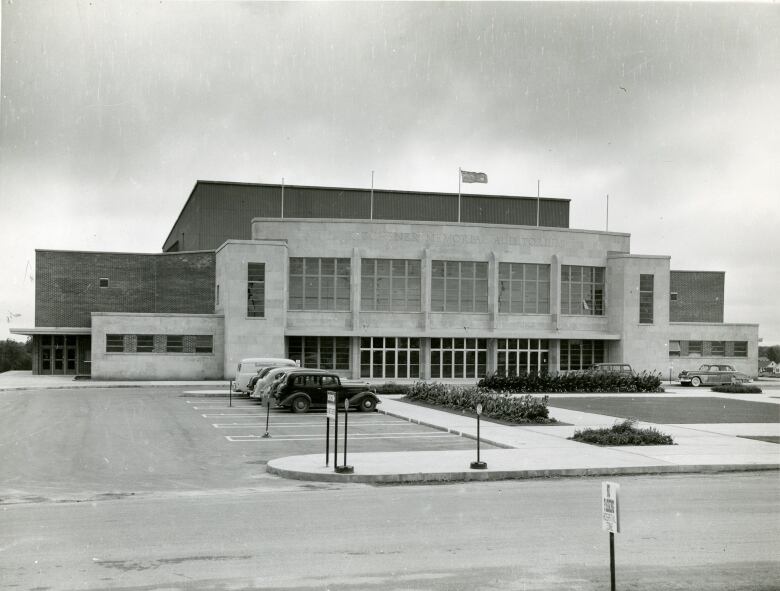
{"x": 538, "y": 451}
{"x": 25, "y": 380}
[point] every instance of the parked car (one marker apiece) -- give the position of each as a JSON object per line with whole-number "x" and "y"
{"x": 261, "y": 374}
{"x": 263, "y": 386}
{"x": 619, "y": 368}
{"x": 712, "y": 375}
{"x": 301, "y": 390}
{"x": 249, "y": 367}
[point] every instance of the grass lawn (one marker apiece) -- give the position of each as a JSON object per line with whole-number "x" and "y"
{"x": 673, "y": 410}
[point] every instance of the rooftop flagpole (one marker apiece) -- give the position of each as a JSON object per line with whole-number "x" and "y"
{"x": 460, "y": 176}
{"x": 538, "y": 199}
{"x": 372, "y": 195}
{"x": 607, "y": 227}
{"x": 282, "y": 196}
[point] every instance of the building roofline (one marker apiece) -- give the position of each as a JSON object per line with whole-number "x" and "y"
{"x": 694, "y": 271}
{"x": 151, "y": 254}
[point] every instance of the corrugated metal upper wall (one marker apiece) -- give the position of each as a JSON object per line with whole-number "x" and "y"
{"x": 218, "y": 211}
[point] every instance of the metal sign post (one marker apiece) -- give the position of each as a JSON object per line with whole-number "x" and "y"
{"x": 610, "y": 521}
{"x": 344, "y": 469}
{"x": 478, "y": 465}
{"x": 230, "y": 392}
{"x": 267, "y": 415}
{"x": 330, "y": 413}
{"x": 335, "y": 439}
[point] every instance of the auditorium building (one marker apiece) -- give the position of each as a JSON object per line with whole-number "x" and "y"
{"x": 377, "y": 284}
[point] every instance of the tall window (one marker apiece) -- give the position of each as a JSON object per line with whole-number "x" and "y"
{"x": 390, "y": 285}
{"x": 582, "y": 290}
{"x": 319, "y": 352}
{"x": 319, "y": 284}
{"x": 459, "y": 286}
{"x": 523, "y": 288}
{"x": 645, "y": 299}
{"x": 389, "y": 357}
{"x": 580, "y": 354}
{"x": 255, "y": 302}
{"x": 458, "y": 358}
{"x": 522, "y": 356}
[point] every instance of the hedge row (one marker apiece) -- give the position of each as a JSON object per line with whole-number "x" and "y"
{"x": 737, "y": 389}
{"x": 573, "y": 382}
{"x": 623, "y": 433}
{"x": 495, "y": 405}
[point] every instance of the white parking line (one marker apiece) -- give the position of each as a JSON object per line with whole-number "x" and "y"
{"x": 240, "y": 438}
{"x": 292, "y": 425}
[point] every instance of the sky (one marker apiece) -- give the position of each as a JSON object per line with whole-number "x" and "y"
{"x": 110, "y": 111}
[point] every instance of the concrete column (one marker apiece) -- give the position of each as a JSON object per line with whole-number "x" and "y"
{"x": 425, "y": 358}
{"x": 354, "y": 356}
{"x": 554, "y": 356}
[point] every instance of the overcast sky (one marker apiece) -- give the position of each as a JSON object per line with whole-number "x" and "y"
{"x": 112, "y": 111}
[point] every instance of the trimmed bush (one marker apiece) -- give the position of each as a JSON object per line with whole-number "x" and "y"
{"x": 573, "y": 382}
{"x": 737, "y": 389}
{"x": 495, "y": 405}
{"x": 391, "y": 388}
{"x": 623, "y": 433}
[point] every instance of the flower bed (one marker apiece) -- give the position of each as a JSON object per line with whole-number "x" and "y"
{"x": 573, "y": 382}
{"x": 623, "y": 433}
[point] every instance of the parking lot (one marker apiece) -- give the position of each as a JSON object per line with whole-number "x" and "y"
{"x": 294, "y": 434}
{"x": 99, "y": 442}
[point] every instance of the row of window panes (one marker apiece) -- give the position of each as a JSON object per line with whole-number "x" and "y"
{"x": 582, "y": 290}
{"x": 255, "y": 307}
{"x": 64, "y": 349}
{"x": 320, "y": 352}
{"x": 708, "y": 349}
{"x": 389, "y": 357}
{"x": 521, "y": 356}
{"x": 159, "y": 343}
{"x": 580, "y": 354}
{"x": 456, "y": 286}
{"x": 458, "y": 358}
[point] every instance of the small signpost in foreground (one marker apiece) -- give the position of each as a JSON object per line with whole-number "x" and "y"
{"x": 344, "y": 469}
{"x": 330, "y": 413}
{"x": 610, "y": 521}
{"x": 478, "y": 465}
{"x": 267, "y": 435}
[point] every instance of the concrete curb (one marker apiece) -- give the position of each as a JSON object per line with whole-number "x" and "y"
{"x": 445, "y": 429}
{"x": 82, "y": 386}
{"x": 486, "y": 475}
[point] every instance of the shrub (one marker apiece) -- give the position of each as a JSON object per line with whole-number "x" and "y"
{"x": 390, "y": 388}
{"x": 573, "y": 382}
{"x": 623, "y": 433}
{"x": 737, "y": 389}
{"x": 495, "y": 405}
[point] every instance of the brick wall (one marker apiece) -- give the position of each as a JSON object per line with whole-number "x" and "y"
{"x": 68, "y": 288}
{"x": 699, "y": 296}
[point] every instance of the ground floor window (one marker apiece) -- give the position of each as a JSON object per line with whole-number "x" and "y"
{"x": 581, "y": 354}
{"x": 707, "y": 348}
{"x": 320, "y": 352}
{"x": 389, "y": 357}
{"x": 160, "y": 343}
{"x": 522, "y": 356}
{"x": 458, "y": 358}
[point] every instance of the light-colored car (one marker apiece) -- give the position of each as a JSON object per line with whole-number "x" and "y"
{"x": 618, "y": 368}
{"x": 249, "y": 367}
{"x": 712, "y": 374}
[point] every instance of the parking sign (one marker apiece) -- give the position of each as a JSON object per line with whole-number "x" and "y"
{"x": 610, "y": 515}
{"x": 330, "y": 412}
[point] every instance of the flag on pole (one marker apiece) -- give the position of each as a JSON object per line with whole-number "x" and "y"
{"x": 473, "y": 177}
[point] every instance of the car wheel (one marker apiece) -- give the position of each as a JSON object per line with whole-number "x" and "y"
{"x": 300, "y": 404}
{"x": 696, "y": 382}
{"x": 367, "y": 405}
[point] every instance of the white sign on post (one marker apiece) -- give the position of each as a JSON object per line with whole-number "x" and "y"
{"x": 610, "y": 514}
{"x": 330, "y": 411}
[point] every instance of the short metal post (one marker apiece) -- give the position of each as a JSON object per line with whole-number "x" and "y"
{"x": 336, "y": 442}
{"x": 478, "y": 465}
{"x": 612, "y": 560}
{"x": 267, "y": 416}
{"x": 345, "y": 469}
{"x": 327, "y": 441}
{"x": 230, "y": 392}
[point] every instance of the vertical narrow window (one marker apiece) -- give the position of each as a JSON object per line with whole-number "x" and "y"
{"x": 255, "y": 290}
{"x": 646, "y": 299}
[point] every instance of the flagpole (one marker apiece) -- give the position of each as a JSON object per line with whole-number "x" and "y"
{"x": 372, "y": 195}
{"x": 607, "y": 227}
{"x": 460, "y": 176}
{"x": 282, "y": 196}
{"x": 538, "y": 199}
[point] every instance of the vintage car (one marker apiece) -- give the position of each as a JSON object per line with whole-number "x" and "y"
{"x": 712, "y": 375}
{"x": 301, "y": 390}
{"x": 618, "y": 368}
